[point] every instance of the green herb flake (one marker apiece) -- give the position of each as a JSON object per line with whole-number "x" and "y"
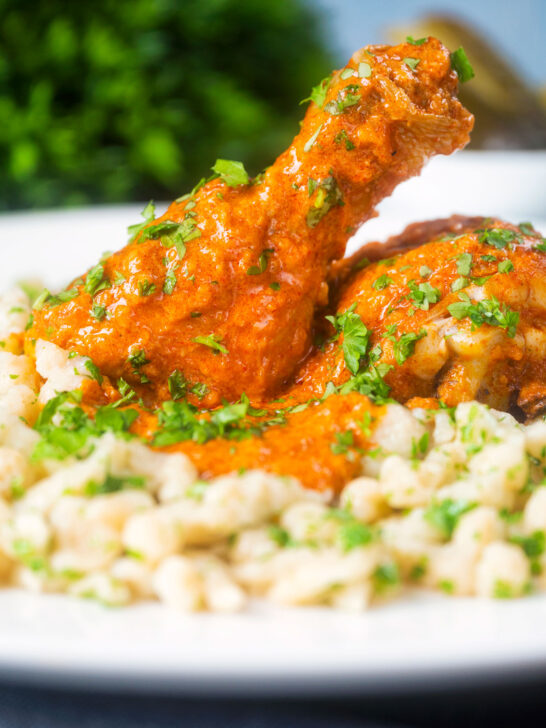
{"x": 177, "y": 385}
{"x": 280, "y": 536}
{"x": 532, "y": 545}
{"x": 213, "y": 341}
{"x": 412, "y": 62}
{"x": 404, "y": 347}
{"x": 93, "y": 370}
{"x": 497, "y": 237}
{"x": 148, "y": 214}
{"x": 263, "y": 260}
{"x": 353, "y": 534}
{"x": 385, "y": 577}
{"x": 459, "y": 283}
{"x": 413, "y": 41}
{"x": 382, "y": 282}
{"x": 423, "y": 294}
{"x": 340, "y": 137}
{"x": 364, "y": 69}
{"x": 312, "y": 139}
{"x": 446, "y": 514}
{"x": 327, "y": 196}
{"x": 170, "y": 282}
{"x": 528, "y": 229}
{"x": 464, "y": 264}
{"x": 347, "y": 97}
{"x": 505, "y": 266}
{"x": 486, "y": 311}
{"x": 96, "y": 280}
{"x": 98, "y": 312}
{"x": 231, "y": 173}
{"x": 137, "y": 359}
{"x": 344, "y": 441}
{"x": 356, "y": 337}
{"x": 319, "y": 92}
{"x": 145, "y": 288}
{"x": 461, "y": 65}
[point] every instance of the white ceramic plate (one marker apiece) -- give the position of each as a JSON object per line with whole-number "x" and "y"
{"x": 417, "y": 642}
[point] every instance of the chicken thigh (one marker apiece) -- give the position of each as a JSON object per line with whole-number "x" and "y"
{"x": 458, "y": 318}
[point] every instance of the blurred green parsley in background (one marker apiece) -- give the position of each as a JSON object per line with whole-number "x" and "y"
{"x": 119, "y": 100}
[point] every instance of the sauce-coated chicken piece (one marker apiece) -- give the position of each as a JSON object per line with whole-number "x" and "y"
{"x": 462, "y": 317}
{"x": 217, "y": 297}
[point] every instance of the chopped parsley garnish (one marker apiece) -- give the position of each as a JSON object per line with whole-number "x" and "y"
{"x": 263, "y": 260}
{"x": 356, "y": 337}
{"x": 145, "y": 288}
{"x": 213, "y": 341}
{"x": 98, "y": 312}
{"x": 344, "y": 441}
{"x": 170, "y": 282}
{"x": 532, "y": 545}
{"x": 113, "y": 484}
{"x": 413, "y": 41}
{"x": 96, "y": 280}
{"x": 347, "y": 73}
{"x": 347, "y": 97}
{"x": 340, "y": 137}
{"x": 505, "y": 266}
{"x": 412, "y": 62}
{"x": 424, "y": 271}
{"x": 382, "y": 282}
{"x": 445, "y": 515}
{"x": 137, "y": 359}
{"x": 364, "y": 69}
{"x": 489, "y": 258}
{"x": 75, "y": 428}
{"x": 486, "y": 311}
{"x": 41, "y": 300}
{"x": 497, "y": 237}
{"x": 423, "y": 294}
{"x": 174, "y": 234}
{"x": 386, "y": 577}
{"x": 230, "y": 172}
{"x": 275, "y": 286}
{"x": 179, "y": 422}
{"x": 312, "y": 139}
{"x": 148, "y": 214}
{"x": 46, "y": 297}
{"x": 177, "y": 385}
{"x": 93, "y": 370}
{"x": 280, "y": 536}
{"x": 464, "y": 264}
{"x": 528, "y": 229}
{"x": 461, "y": 65}
{"x": 405, "y": 345}
{"x": 370, "y": 382}
{"x": 327, "y": 196}
{"x": 318, "y": 92}
{"x": 459, "y": 283}
{"x": 420, "y": 447}
{"x": 354, "y": 534}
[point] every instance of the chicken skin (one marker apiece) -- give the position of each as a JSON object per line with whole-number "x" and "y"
{"x": 217, "y": 297}
{"x": 458, "y": 318}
